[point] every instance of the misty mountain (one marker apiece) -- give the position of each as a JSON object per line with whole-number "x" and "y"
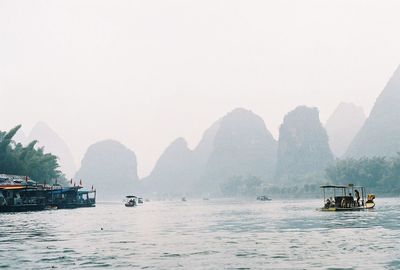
{"x": 174, "y": 170}
{"x": 54, "y": 144}
{"x": 178, "y": 170}
{"x": 243, "y": 146}
{"x": 343, "y": 125}
{"x": 111, "y": 168}
{"x": 206, "y": 145}
{"x": 303, "y": 145}
{"x": 238, "y": 144}
{"x": 380, "y": 135}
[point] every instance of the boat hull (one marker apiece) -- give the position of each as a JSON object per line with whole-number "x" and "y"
{"x": 334, "y": 209}
{"x": 74, "y": 206}
{"x": 370, "y": 205}
{"x": 22, "y": 208}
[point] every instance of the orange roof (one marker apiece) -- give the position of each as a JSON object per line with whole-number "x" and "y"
{"x": 11, "y": 187}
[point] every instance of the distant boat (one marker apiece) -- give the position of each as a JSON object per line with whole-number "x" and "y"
{"x": 131, "y": 201}
{"x": 183, "y": 199}
{"x": 263, "y": 198}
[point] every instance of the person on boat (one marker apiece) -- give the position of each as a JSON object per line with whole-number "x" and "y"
{"x": 332, "y": 202}
{"x": 3, "y": 201}
{"x": 343, "y": 203}
{"x": 328, "y": 203}
{"x": 350, "y": 201}
{"x": 133, "y": 202}
{"x": 357, "y": 193}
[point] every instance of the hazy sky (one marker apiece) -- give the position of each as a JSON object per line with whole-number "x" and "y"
{"x": 146, "y": 72}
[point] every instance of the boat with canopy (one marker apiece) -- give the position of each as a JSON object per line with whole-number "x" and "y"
{"x": 346, "y": 198}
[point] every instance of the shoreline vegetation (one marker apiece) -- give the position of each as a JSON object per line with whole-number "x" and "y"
{"x": 29, "y": 160}
{"x": 378, "y": 174}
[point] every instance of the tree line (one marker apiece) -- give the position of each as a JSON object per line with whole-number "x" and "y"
{"x": 378, "y": 173}
{"x": 29, "y": 160}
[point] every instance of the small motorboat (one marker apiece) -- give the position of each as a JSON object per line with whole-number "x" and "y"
{"x": 184, "y": 199}
{"x": 131, "y": 201}
{"x": 263, "y": 198}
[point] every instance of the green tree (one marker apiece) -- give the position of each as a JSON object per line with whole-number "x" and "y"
{"x": 28, "y": 161}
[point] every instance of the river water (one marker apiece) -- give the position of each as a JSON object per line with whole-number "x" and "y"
{"x": 215, "y": 234}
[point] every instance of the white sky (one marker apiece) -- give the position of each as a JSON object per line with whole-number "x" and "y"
{"x": 146, "y": 72}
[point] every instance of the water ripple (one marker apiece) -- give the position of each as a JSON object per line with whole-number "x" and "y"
{"x": 216, "y": 234}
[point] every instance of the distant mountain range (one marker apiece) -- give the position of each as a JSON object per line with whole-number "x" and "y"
{"x": 237, "y": 144}
{"x": 240, "y": 145}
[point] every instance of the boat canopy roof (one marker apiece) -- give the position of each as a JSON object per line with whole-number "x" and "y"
{"x": 341, "y": 186}
{"x": 85, "y": 191}
{"x": 131, "y": 196}
{"x": 65, "y": 189}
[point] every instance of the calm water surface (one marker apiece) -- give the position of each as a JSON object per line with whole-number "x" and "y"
{"x": 215, "y": 234}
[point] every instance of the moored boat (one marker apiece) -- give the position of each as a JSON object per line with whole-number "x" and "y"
{"x": 71, "y": 197}
{"x": 22, "y": 199}
{"x": 21, "y": 194}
